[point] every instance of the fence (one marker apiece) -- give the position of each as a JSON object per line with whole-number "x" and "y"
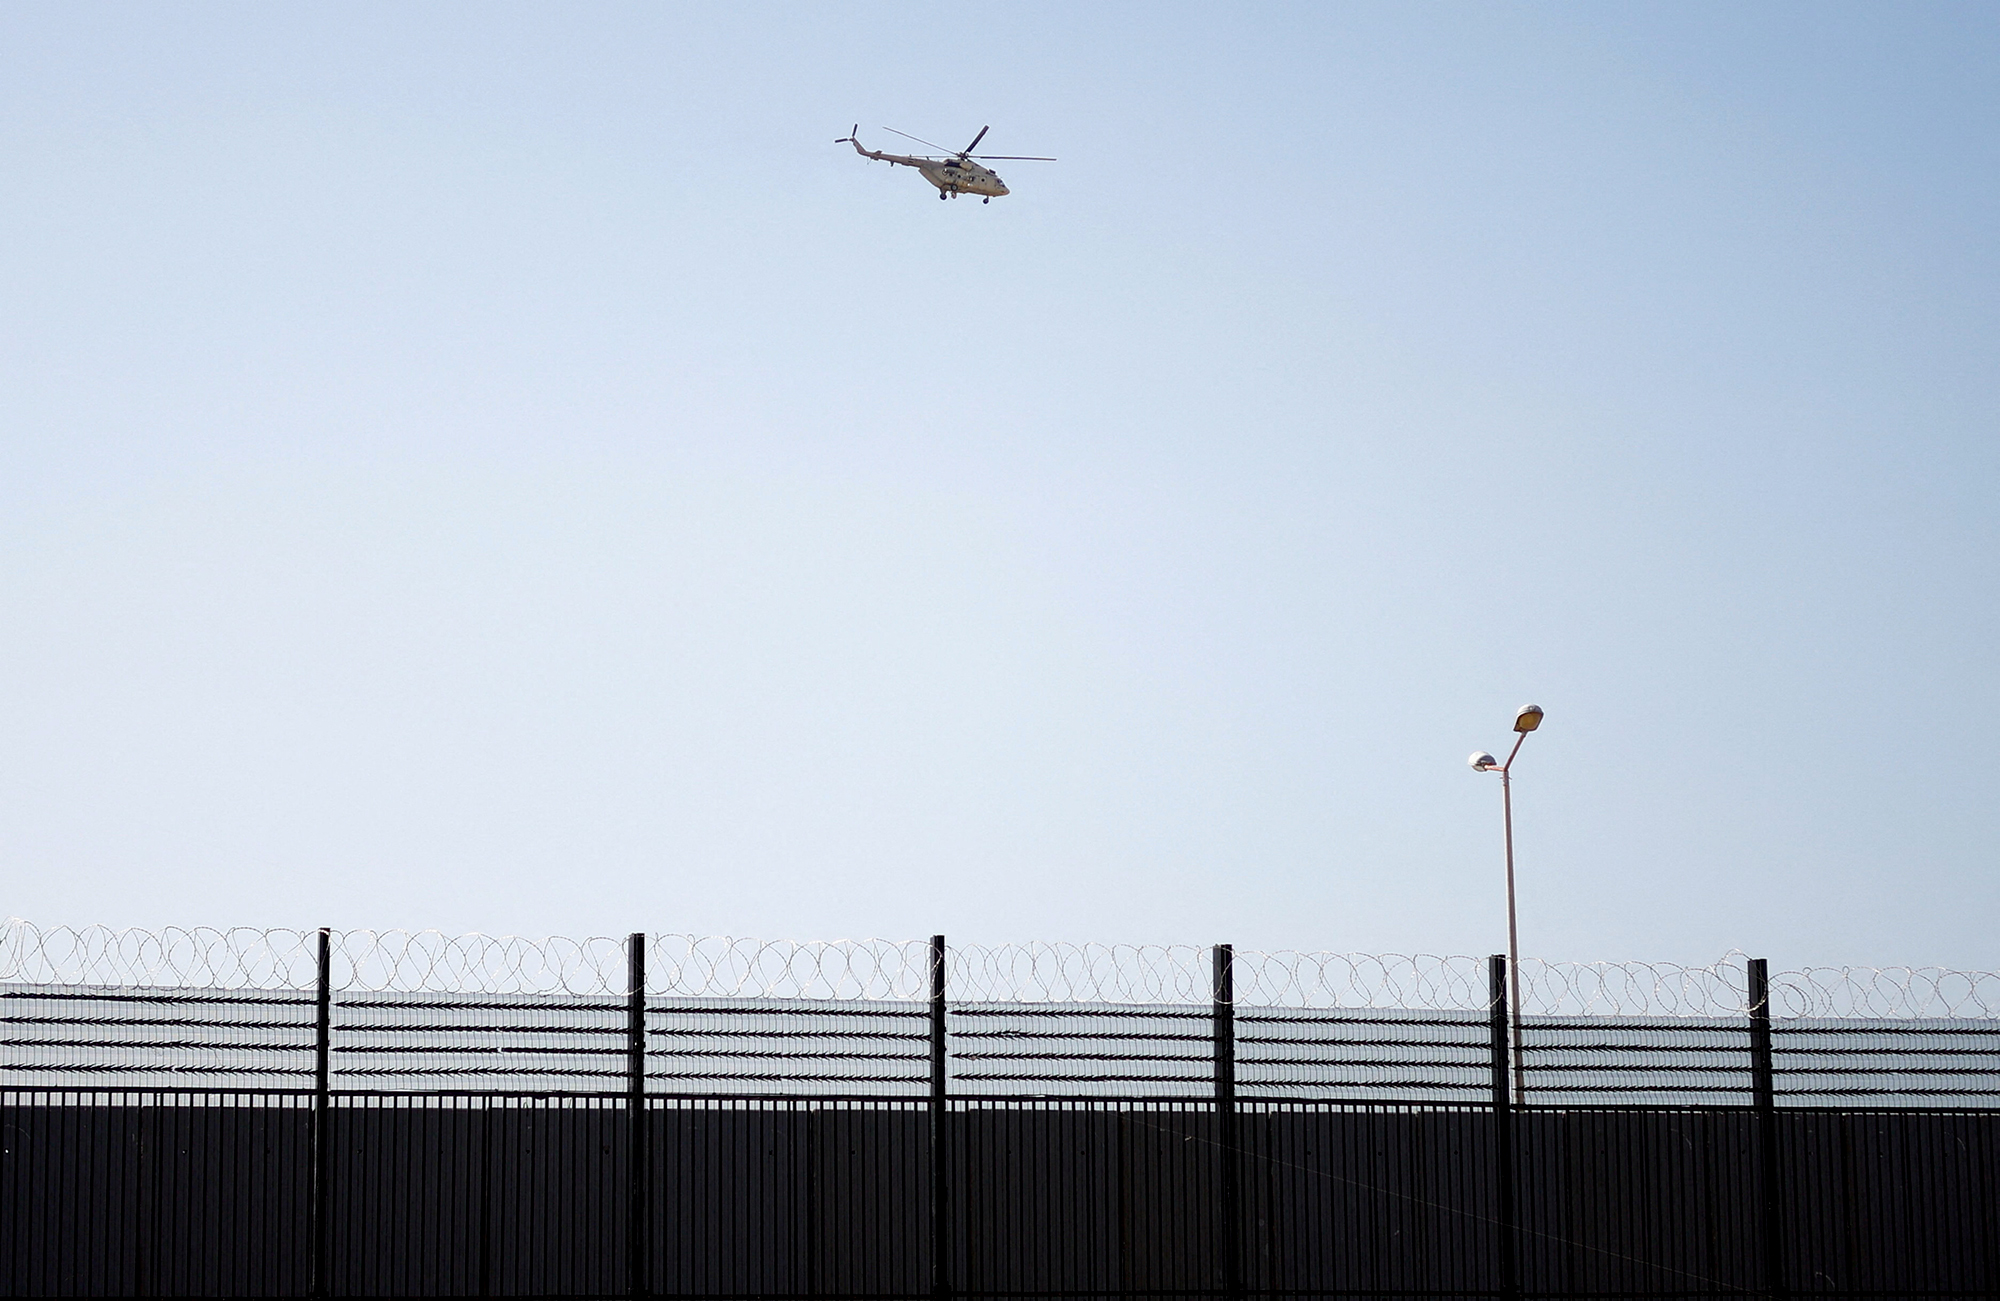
{"x": 210, "y": 1113}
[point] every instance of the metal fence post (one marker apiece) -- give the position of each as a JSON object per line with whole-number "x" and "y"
{"x": 1223, "y": 987}
{"x": 940, "y": 1208}
{"x": 638, "y": 1223}
{"x": 1503, "y": 1131}
{"x": 319, "y": 1283}
{"x": 1764, "y": 1101}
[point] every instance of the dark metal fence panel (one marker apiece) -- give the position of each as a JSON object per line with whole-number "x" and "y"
{"x": 558, "y": 1197}
{"x": 1369, "y": 1201}
{"x": 730, "y": 1196}
{"x": 441, "y": 1196}
{"x": 868, "y": 1186}
{"x": 151, "y": 1193}
{"x": 1890, "y": 1203}
{"x": 1089, "y": 1197}
{"x": 407, "y": 1197}
{"x": 196, "y": 1193}
{"x": 1650, "y": 1202}
{"x": 778, "y": 1197}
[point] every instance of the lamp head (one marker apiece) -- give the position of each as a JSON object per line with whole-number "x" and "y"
{"x": 1482, "y": 761}
{"x": 1527, "y": 718}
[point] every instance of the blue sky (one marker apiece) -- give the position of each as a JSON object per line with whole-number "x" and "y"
{"x": 505, "y": 468}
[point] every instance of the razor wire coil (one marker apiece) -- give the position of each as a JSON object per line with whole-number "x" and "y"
{"x": 724, "y": 967}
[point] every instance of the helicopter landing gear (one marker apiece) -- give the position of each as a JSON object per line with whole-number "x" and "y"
{"x": 986, "y": 200}
{"x": 942, "y": 196}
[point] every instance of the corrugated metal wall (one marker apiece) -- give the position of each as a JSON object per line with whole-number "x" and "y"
{"x": 209, "y": 1194}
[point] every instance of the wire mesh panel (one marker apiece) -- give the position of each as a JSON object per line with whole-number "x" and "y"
{"x": 800, "y": 1047}
{"x": 1363, "y": 1055}
{"x": 1078, "y": 1050}
{"x": 90, "y": 1037}
{"x": 144, "y": 1192}
{"x": 1666, "y": 1061}
{"x": 1942, "y": 1063}
{"x": 429, "y": 1042}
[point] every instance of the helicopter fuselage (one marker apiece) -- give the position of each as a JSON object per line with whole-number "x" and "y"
{"x": 964, "y": 178}
{"x": 952, "y": 176}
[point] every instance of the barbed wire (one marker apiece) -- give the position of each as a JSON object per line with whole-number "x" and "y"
{"x": 433, "y": 962}
{"x": 1723, "y": 990}
{"x": 1426, "y": 981}
{"x": 696, "y": 966}
{"x": 1636, "y": 988}
{"x": 710, "y": 966}
{"x": 1886, "y": 992}
{"x": 239, "y": 957}
{"x": 1078, "y": 973}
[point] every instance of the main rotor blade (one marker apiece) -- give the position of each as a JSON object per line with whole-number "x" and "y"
{"x": 967, "y": 151}
{"x": 1012, "y": 158}
{"x": 919, "y": 139}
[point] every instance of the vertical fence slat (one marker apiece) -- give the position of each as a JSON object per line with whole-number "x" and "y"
{"x": 322, "y": 1122}
{"x": 940, "y": 1168}
{"x": 638, "y": 1219}
{"x": 1222, "y": 981}
{"x": 1764, "y": 1100}
{"x": 1504, "y": 1228}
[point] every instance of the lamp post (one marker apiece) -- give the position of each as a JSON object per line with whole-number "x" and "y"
{"x": 1526, "y": 719}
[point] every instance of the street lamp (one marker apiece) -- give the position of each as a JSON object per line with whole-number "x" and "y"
{"x": 1526, "y": 719}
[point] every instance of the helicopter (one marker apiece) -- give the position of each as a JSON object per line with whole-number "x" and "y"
{"x": 953, "y": 175}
